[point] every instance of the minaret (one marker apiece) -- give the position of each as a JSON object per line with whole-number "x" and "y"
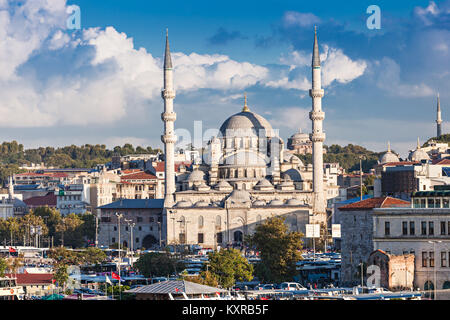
{"x": 11, "y": 188}
{"x": 317, "y": 136}
{"x": 438, "y": 118}
{"x": 168, "y": 117}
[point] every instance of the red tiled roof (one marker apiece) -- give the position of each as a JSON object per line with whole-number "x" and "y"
{"x": 160, "y": 165}
{"x": 138, "y": 176}
{"x": 381, "y": 202}
{"x": 128, "y": 171}
{"x": 32, "y": 278}
{"x": 47, "y": 200}
{"x": 400, "y": 163}
{"x": 441, "y": 161}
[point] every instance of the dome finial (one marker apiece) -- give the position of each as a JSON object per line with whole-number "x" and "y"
{"x": 418, "y": 143}
{"x": 245, "y": 109}
{"x": 389, "y": 146}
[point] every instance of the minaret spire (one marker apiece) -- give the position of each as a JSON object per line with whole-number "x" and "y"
{"x": 389, "y": 146}
{"x": 317, "y": 136}
{"x": 418, "y": 143}
{"x": 438, "y": 118}
{"x": 169, "y": 138}
{"x": 245, "y": 109}
{"x": 167, "y": 56}
{"x": 11, "y": 188}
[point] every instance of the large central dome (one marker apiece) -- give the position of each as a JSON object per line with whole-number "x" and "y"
{"x": 246, "y": 122}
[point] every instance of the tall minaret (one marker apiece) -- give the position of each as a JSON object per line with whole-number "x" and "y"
{"x": 438, "y": 118}
{"x": 11, "y": 188}
{"x": 317, "y": 136}
{"x": 168, "y": 117}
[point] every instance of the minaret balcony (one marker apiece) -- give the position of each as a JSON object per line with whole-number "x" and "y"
{"x": 168, "y": 116}
{"x": 168, "y": 94}
{"x": 317, "y": 115}
{"x": 168, "y": 138}
{"x": 317, "y": 137}
{"x": 316, "y": 93}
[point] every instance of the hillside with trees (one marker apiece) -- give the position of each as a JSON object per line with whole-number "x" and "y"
{"x": 13, "y": 155}
{"x": 347, "y": 157}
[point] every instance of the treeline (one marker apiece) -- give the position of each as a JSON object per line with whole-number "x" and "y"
{"x": 445, "y": 138}
{"x": 73, "y": 230}
{"x": 13, "y": 155}
{"x": 347, "y": 157}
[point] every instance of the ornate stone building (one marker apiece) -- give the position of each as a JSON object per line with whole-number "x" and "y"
{"x": 246, "y": 176}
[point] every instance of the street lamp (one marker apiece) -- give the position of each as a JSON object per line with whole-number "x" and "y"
{"x": 119, "y": 216}
{"x": 435, "y": 262}
{"x": 361, "y": 173}
{"x": 131, "y": 224}
{"x": 159, "y": 228}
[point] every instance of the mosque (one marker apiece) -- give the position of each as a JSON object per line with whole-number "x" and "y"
{"x": 246, "y": 175}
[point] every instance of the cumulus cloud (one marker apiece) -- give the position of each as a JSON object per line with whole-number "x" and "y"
{"x": 93, "y": 76}
{"x": 292, "y": 118}
{"x": 336, "y": 66}
{"x": 294, "y": 18}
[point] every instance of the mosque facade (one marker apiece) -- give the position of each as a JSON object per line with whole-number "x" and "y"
{"x": 246, "y": 176}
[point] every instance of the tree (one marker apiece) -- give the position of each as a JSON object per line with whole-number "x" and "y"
{"x": 279, "y": 249}
{"x": 156, "y": 264}
{"x": 93, "y": 256}
{"x": 206, "y": 278}
{"x": 3, "y": 266}
{"x": 229, "y": 266}
{"x": 60, "y": 274}
{"x": 71, "y": 233}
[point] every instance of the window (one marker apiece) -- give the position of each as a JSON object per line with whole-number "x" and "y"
{"x": 387, "y": 228}
{"x": 200, "y": 238}
{"x": 405, "y": 228}
{"x": 431, "y": 259}
{"x": 412, "y": 228}
{"x": 424, "y": 228}
{"x": 424, "y": 258}
{"x": 219, "y": 237}
{"x": 430, "y": 203}
{"x": 200, "y": 222}
{"x": 182, "y": 237}
{"x": 113, "y": 240}
{"x": 443, "y": 231}
{"x": 140, "y": 228}
{"x": 152, "y": 219}
{"x": 126, "y": 228}
{"x": 115, "y": 228}
{"x": 445, "y": 203}
{"x": 218, "y": 222}
{"x": 431, "y": 228}
{"x": 423, "y": 202}
{"x": 139, "y": 219}
{"x": 443, "y": 259}
{"x": 137, "y": 240}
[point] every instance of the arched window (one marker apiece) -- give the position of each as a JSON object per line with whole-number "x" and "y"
{"x": 429, "y": 287}
{"x": 200, "y": 222}
{"x": 182, "y": 221}
{"x": 218, "y": 222}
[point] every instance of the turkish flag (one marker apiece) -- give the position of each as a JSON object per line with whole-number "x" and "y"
{"x": 53, "y": 280}
{"x": 115, "y": 276}
{"x": 176, "y": 289}
{"x": 11, "y": 249}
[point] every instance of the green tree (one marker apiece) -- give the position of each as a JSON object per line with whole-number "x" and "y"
{"x": 3, "y": 266}
{"x": 60, "y": 274}
{"x": 155, "y": 264}
{"x": 206, "y": 278}
{"x": 229, "y": 266}
{"x": 70, "y": 231}
{"x": 93, "y": 256}
{"x": 279, "y": 249}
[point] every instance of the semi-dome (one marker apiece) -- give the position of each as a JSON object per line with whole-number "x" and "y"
{"x": 276, "y": 202}
{"x": 183, "y": 204}
{"x": 292, "y": 174}
{"x": 264, "y": 183}
{"x": 294, "y": 202}
{"x": 259, "y": 203}
{"x": 223, "y": 185}
{"x": 389, "y": 156}
{"x": 196, "y": 176}
{"x": 201, "y": 203}
{"x": 239, "y": 196}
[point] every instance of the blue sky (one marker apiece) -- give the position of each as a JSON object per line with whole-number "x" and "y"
{"x": 101, "y": 84}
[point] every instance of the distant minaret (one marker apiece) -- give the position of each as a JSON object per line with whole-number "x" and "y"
{"x": 168, "y": 117}
{"x": 11, "y": 188}
{"x": 317, "y": 136}
{"x": 438, "y": 118}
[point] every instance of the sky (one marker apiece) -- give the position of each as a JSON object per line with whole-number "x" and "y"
{"x": 101, "y": 84}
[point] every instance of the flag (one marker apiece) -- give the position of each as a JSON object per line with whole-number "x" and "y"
{"x": 108, "y": 281}
{"x": 11, "y": 249}
{"x": 53, "y": 280}
{"x": 176, "y": 289}
{"x": 115, "y": 276}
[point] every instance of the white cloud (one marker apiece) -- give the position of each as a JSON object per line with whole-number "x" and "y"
{"x": 336, "y": 66}
{"x": 388, "y": 78}
{"x": 293, "y": 18}
{"x": 292, "y": 118}
{"x": 95, "y": 76}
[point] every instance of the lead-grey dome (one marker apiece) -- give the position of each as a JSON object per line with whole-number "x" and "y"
{"x": 246, "y": 121}
{"x": 239, "y": 196}
{"x": 196, "y": 176}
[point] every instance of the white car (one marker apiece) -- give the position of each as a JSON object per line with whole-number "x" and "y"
{"x": 291, "y": 286}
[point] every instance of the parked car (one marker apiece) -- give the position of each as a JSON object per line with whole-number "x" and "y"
{"x": 291, "y": 286}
